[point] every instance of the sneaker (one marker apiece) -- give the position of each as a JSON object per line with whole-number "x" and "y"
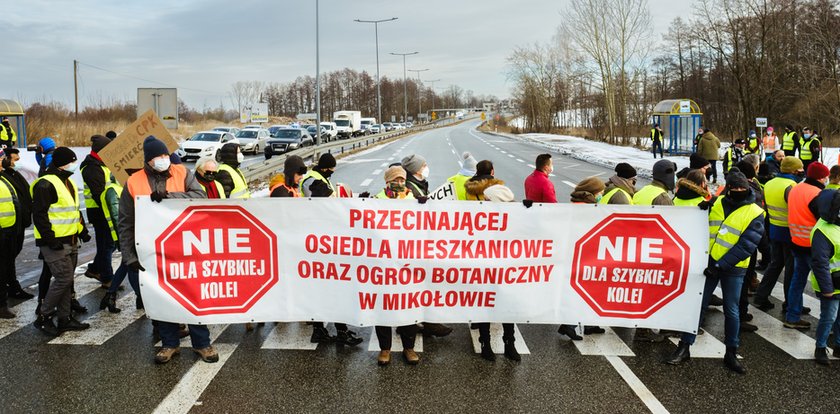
{"x": 821, "y": 356}
{"x": 800, "y": 324}
{"x": 348, "y": 338}
{"x": 806, "y": 310}
{"x": 746, "y": 317}
{"x": 77, "y": 307}
{"x": 411, "y": 357}
{"x": 165, "y": 355}
{"x": 21, "y": 294}
{"x": 764, "y": 306}
{"x": 71, "y": 324}
{"x": 207, "y": 354}
{"x": 384, "y": 357}
{"x": 569, "y": 330}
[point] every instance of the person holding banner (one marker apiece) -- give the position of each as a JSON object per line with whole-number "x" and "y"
{"x": 736, "y": 224}
{"x": 159, "y": 180}
{"x": 110, "y": 202}
{"x": 692, "y": 190}
{"x": 288, "y": 183}
{"x": 621, "y": 187}
{"x": 416, "y": 174}
{"x": 468, "y": 165}
{"x": 395, "y": 189}
{"x": 206, "y": 169}
{"x": 229, "y": 175}
{"x": 825, "y": 278}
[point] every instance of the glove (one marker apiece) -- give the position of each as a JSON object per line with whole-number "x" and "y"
{"x": 711, "y": 271}
{"x": 135, "y": 266}
{"x": 366, "y": 194}
{"x": 84, "y": 236}
{"x": 422, "y": 199}
{"x": 704, "y": 205}
{"x": 527, "y": 203}
{"x": 157, "y": 196}
{"x": 56, "y": 245}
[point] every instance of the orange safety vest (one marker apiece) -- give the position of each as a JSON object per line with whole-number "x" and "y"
{"x": 292, "y": 190}
{"x": 138, "y": 183}
{"x": 800, "y": 219}
{"x": 770, "y": 143}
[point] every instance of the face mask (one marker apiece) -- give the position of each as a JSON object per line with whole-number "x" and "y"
{"x": 738, "y": 196}
{"x": 209, "y": 175}
{"x": 327, "y": 173}
{"x": 70, "y": 167}
{"x": 425, "y": 172}
{"x": 240, "y": 157}
{"x": 807, "y": 136}
{"x": 396, "y": 187}
{"x": 161, "y": 164}
{"x": 550, "y": 169}
{"x": 598, "y": 198}
{"x": 798, "y": 177}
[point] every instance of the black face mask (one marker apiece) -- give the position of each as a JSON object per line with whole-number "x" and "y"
{"x": 738, "y": 196}
{"x": 209, "y": 175}
{"x": 799, "y": 177}
{"x": 326, "y": 173}
{"x": 6, "y": 124}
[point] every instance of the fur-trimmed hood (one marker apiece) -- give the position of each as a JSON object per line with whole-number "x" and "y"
{"x": 475, "y": 188}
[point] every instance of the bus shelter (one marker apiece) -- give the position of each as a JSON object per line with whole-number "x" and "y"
{"x": 17, "y": 119}
{"x": 679, "y": 120}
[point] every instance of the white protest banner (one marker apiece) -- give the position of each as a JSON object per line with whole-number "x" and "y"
{"x": 395, "y": 262}
{"x": 444, "y": 192}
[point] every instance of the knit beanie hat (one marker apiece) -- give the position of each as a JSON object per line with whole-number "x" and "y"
{"x": 153, "y": 148}
{"x": 62, "y": 156}
{"x": 467, "y": 164}
{"x": 625, "y": 170}
{"x": 665, "y": 171}
{"x": 791, "y": 165}
{"x": 697, "y": 162}
{"x": 413, "y": 163}
{"x": 499, "y": 193}
{"x": 326, "y": 161}
{"x": 817, "y": 171}
{"x": 393, "y": 173}
{"x": 747, "y": 169}
{"x": 97, "y": 142}
{"x": 736, "y": 179}
{"x": 591, "y": 185}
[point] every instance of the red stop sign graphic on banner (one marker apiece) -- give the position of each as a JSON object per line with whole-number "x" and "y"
{"x": 630, "y": 265}
{"x": 216, "y": 259}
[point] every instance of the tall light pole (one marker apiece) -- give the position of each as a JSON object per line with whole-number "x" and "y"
{"x": 419, "y": 96}
{"x": 433, "y": 91}
{"x": 378, "y": 93}
{"x": 317, "y": 79}
{"x": 405, "y": 84}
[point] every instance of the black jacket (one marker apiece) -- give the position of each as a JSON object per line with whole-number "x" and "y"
{"x": 316, "y": 188}
{"x": 43, "y": 196}
{"x": 96, "y": 181}
{"x": 24, "y": 198}
{"x": 418, "y": 187}
{"x": 227, "y": 155}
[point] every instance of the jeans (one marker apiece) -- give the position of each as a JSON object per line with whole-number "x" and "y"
{"x": 801, "y": 269}
{"x": 712, "y": 171}
{"x": 119, "y": 276}
{"x": 654, "y": 146}
{"x": 828, "y": 318}
{"x": 731, "y": 286}
{"x": 104, "y": 251}
{"x": 780, "y": 257}
{"x": 199, "y": 334}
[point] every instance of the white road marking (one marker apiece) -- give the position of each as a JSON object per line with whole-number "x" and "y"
{"x": 570, "y": 166}
{"x": 520, "y": 160}
{"x": 511, "y": 155}
{"x": 569, "y": 183}
{"x": 385, "y": 164}
{"x": 503, "y": 152}
{"x": 188, "y": 390}
{"x": 532, "y": 166}
{"x": 294, "y": 335}
{"x": 705, "y": 346}
{"x": 792, "y": 341}
{"x": 366, "y": 182}
{"x": 607, "y": 344}
{"x": 778, "y": 292}
{"x": 377, "y": 172}
{"x": 637, "y": 385}
{"x": 497, "y": 342}
{"x": 103, "y": 325}
{"x": 396, "y": 342}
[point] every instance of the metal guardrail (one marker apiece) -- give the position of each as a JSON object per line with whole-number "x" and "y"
{"x": 267, "y": 167}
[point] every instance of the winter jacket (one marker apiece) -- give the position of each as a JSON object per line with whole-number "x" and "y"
{"x": 731, "y": 157}
{"x": 582, "y": 197}
{"x": 313, "y": 187}
{"x": 44, "y": 158}
{"x": 24, "y": 198}
{"x": 227, "y": 155}
{"x": 475, "y": 186}
{"x": 157, "y": 182}
{"x": 709, "y": 147}
{"x": 822, "y": 249}
{"x": 773, "y": 167}
{"x": 813, "y": 144}
{"x": 624, "y": 184}
{"x": 688, "y": 190}
{"x": 112, "y": 203}
{"x": 813, "y": 207}
{"x": 96, "y": 181}
{"x": 747, "y": 242}
{"x": 210, "y": 187}
{"x": 663, "y": 199}
{"x": 419, "y": 188}
{"x": 539, "y": 189}
{"x": 43, "y": 196}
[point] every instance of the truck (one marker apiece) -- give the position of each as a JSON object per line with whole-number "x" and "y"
{"x": 348, "y": 123}
{"x": 366, "y": 124}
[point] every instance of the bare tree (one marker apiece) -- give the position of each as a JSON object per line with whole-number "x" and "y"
{"x": 244, "y": 93}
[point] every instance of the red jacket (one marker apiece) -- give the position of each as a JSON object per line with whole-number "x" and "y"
{"x": 539, "y": 189}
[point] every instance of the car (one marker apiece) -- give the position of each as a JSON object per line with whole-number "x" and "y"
{"x": 409, "y": 124}
{"x": 376, "y": 128}
{"x": 272, "y": 129}
{"x": 232, "y": 130}
{"x": 312, "y": 130}
{"x": 397, "y": 126}
{"x": 332, "y": 130}
{"x": 252, "y": 126}
{"x": 204, "y": 143}
{"x": 287, "y": 139}
{"x": 388, "y": 126}
{"x": 251, "y": 140}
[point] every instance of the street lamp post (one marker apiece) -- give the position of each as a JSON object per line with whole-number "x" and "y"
{"x": 317, "y": 79}
{"x": 405, "y": 84}
{"x": 433, "y": 91}
{"x": 378, "y": 93}
{"x": 419, "y": 90}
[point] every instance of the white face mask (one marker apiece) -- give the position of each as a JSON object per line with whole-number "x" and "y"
{"x": 240, "y": 157}
{"x": 425, "y": 172}
{"x": 70, "y": 167}
{"x": 161, "y": 164}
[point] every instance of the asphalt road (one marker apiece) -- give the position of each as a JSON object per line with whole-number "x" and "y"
{"x": 274, "y": 368}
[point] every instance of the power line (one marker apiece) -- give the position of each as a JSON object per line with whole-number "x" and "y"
{"x": 151, "y": 81}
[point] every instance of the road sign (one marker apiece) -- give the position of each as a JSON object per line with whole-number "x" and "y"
{"x": 761, "y": 122}
{"x": 217, "y": 259}
{"x": 630, "y": 274}
{"x": 164, "y": 101}
{"x": 434, "y": 116}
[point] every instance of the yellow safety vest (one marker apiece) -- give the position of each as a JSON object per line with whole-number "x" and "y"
{"x": 609, "y": 195}
{"x": 647, "y": 194}
{"x": 4, "y": 136}
{"x": 805, "y": 150}
{"x": 107, "y": 210}
{"x": 774, "y": 195}
{"x": 64, "y": 215}
{"x": 788, "y": 144}
{"x": 316, "y": 175}
{"x": 832, "y": 233}
{"x": 752, "y": 143}
{"x": 8, "y": 215}
{"x": 730, "y": 229}
{"x": 691, "y": 202}
{"x": 458, "y": 182}
{"x": 832, "y": 187}
{"x": 90, "y": 202}
{"x": 240, "y": 186}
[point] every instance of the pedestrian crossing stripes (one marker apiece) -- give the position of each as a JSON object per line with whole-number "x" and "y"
{"x": 607, "y": 344}
{"x": 105, "y": 325}
{"x": 290, "y": 336}
{"x": 497, "y": 342}
{"x": 396, "y": 342}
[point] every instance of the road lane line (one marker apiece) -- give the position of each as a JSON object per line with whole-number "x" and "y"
{"x": 571, "y": 166}
{"x": 366, "y": 182}
{"x": 498, "y": 343}
{"x": 292, "y": 335}
{"x": 808, "y": 300}
{"x": 188, "y": 390}
{"x": 606, "y": 344}
{"x": 396, "y": 342}
{"x": 569, "y": 183}
{"x": 377, "y": 172}
{"x": 520, "y": 160}
{"x": 638, "y": 387}
{"x": 532, "y": 166}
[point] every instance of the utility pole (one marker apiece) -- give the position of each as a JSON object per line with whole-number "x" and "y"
{"x": 405, "y": 84}
{"x": 419, "y": 90}
{"x": 378, "y": 91}
{"x": 317, "y": 79}
{"x": 433, "y": 91}
{"x": 76, "y": 84}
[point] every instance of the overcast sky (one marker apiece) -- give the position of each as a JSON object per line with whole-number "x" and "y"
{"x": 203, "y": 46}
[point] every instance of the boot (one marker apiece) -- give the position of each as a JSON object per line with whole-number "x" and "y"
{"x": 71, "y": 324}
{"x": 411, "y": 357}
{"x": 321, "y": 336}
{"x": 77, "y": 307}
{"x": 165, "y": 355}
{"x": 109, "y": 301}
{"x": 21, "y": 294}
{"x": 821, "y": 356}
{"x": 38, "y": 309}
{"x": 592, "y": 330}
{"x": 5, "y": 313}
{"x": 730, "y": 359}
{"x": 45, "y": 324}
{"x": 207, "y": 354}
{"x": 384, "y": 357}
{"x": 715, "y": 301}
{"x": 748, "y": 327}
{"x": 139, "y": 303}
{"x": 91, "y": 274}
{"x": 183, "y": 331}
{"x": 348, "y": 338}
{"x": 682, "y": 354}
{"x": 510, "y": 350}
{"x": 836, "y": 350}
{"x": 569, "y": 330}
{"x": 487, "y": 351}
{"x": 647, "y": 335}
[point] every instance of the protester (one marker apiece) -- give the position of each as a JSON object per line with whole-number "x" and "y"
{"x": 23, "y": 220}
{"x": 8, "y": 138}
{"x": 468, "y": 164}
{"x": 110, "y": 202}
{"x": 770, "y": 143}
{"x": 96, "y": 176}
{"x": 774, "y": 163}
{"x": 229, "y": 175}
{"x": 708, "y": 148}
{"x": 811, "y": 147}
{"x": 733, "y": 155}
{"x": 692, "y": 189}
{"x": 656, "y": 140}
{"x": 417, "y": 172}
{"x": 825, "y": 256}
{"x": 484, "y": 177}
{"x": 664, "y": 181}
{"x": 621, "y": 187}
{"x": 833, "y": 178}
{"x": 206, "y": 171}
{"x": 790, "y": 141}
{"x": 288, "y": 183}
